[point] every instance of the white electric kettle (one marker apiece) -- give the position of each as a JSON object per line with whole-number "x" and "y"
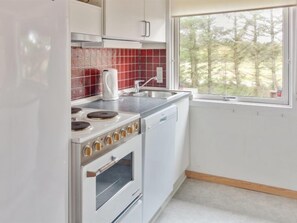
{"x": 110, "y": 85}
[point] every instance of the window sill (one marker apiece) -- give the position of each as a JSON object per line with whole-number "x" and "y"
{"x": 210, "y": 103}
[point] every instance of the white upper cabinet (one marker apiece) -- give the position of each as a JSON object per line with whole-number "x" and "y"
{"x": 155, "y": 15}
{"x": 123, "y": 19}
{"x": 85, "y": 18}
{"x": 135, "y": 20}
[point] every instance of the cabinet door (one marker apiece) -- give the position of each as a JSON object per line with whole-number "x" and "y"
{"x": 85, "y": 18}
{"x": 123, "y": 19}
{"x": 155, "y": 14}
{"x": 181, "y": 161}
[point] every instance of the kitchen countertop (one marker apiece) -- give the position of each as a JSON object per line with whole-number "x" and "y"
{"x": 143, "y": 105}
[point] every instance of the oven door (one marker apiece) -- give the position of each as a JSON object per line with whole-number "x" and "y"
{"x": 111, "y": 182}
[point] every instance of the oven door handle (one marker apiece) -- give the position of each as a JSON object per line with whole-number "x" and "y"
{"x": 104, "y": 168}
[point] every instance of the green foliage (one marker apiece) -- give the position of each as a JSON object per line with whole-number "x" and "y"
{"x": 236, "y": 54}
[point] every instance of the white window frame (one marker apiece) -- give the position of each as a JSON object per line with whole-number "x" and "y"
{"x": 288, "y": 44}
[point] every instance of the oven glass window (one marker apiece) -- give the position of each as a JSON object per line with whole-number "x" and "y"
{"x": 113, "y": 179}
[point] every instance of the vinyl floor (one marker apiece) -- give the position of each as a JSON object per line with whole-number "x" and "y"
{"x": 203, "y": 202}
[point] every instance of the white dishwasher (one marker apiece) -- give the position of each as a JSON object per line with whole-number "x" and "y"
{"x": 158, "y": 158}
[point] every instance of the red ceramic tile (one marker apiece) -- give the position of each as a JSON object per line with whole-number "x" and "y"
{"x": 143, "y": 52}
{"x": 134, "y": 67}
{"x": 149, "y": 52}
{"x": 87, "y": 72}
{"x": 87, "y": 91}
{"x": 93, "y": 58}
{"x": 80, "y": 58}
{"x": 162, "y": 59}
{"x": 150, "y": 73}
{"x": 142, "y": 59}
{"x": 126, "y": 83}
{"x": 149, "y": 67}
{"x": 87, "y": 53}
{"x": 76, "y": 72}
{"x": 109, "y": 61}
{"x": 74, "y": 58}
{"x": 121, "y": 84}
{"x": 133, "y": 52}
{"x": 127, "y": 67}
{"x": 120, "y": 76}
{"x": 81, "y": 92}
{"x": 149, "y": 59}
{"x": 156, "y": 52}
{"x": 156, "y": 59}
{"x": 154, "y": 67}
{"x": 77, "y": 82}
{"x": 132, "y": 64}
{"x": 104, "y": 53}
{"x": 120, "y": 52}
{"x": 88, "y": 81}
{"x": 98, "y": 88}
{"x": 109, "y": 53}
{"x": 94, "y": 71}
{"x": 73, "y": 94}
{"x": 93, "y": 90}
{"x": 99, "y": 57}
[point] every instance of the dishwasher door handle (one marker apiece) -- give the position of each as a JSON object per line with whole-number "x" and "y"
{"x": 163, "y": 119}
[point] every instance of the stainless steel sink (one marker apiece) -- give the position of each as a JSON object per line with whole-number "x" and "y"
{"x": 154, "y": 94}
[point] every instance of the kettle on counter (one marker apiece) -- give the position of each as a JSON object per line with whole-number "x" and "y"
{"x": 110, "y": 85}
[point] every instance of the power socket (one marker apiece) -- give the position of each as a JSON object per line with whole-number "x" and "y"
{"x": 159, "y": 74}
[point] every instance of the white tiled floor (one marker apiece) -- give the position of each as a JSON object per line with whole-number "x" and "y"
{"x": 202, "y": 202}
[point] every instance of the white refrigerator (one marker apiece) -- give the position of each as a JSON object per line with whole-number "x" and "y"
{"x": 34, "y": 111}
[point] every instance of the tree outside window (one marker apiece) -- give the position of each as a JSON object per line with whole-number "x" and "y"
{"x": 233, "y": 54}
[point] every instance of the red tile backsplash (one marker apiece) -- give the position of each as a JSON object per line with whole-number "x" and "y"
{"x": 132, "y": 64}
{"x": 149, "y": 60}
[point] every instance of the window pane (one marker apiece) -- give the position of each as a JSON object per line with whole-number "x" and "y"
{"x": 233, "y": 54}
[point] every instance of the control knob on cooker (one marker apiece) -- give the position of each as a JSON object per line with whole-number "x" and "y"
{"x": 116, "y": 136}
{"x": 87, "y": 151}
{"x": 98, "y": 146}
{"x": 136, "y": 126}
{"x": 108, "y": 140}
{"x": 123, "y": 133}
{"x": 130, "y": 129}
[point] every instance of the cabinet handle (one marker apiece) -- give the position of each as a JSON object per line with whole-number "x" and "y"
{"x": 144, "y": 35}
{"x": 149, "y": 25}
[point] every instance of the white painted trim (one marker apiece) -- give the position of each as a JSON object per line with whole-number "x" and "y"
{"x": 169, "y": 47}
{"x": 202, "y": 7}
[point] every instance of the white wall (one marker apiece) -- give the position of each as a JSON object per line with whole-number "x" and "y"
{"x": 249, "y": 143}
{"x": 254, "y": 143}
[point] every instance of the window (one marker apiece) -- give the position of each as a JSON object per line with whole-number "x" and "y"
{"x": 242, "y": 55}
